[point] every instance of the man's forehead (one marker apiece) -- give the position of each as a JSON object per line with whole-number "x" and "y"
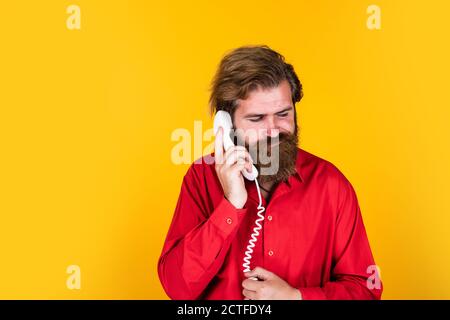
{"x": 266, "y": 100}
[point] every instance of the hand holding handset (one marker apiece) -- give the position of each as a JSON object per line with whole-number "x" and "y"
{"x": 223, "y": 119}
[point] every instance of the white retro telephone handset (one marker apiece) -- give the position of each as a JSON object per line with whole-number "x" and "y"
{"x": 223, "y": 119}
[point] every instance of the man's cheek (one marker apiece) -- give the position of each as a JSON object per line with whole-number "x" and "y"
{"x": 287, "y": 126}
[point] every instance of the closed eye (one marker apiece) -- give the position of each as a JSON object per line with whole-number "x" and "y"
{"x": 255, "y": 119}
{"x": 283, "y": 114}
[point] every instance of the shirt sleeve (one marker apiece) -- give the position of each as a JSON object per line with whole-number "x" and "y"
{"x": 197, "y": 242}
{"x": 352, "y": 275}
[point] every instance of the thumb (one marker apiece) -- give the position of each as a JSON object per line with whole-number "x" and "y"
{"x": 260, "y": 273}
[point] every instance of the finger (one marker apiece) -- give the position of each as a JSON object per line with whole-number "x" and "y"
{"x": 246, "y": 165}
{"x": 252, "y": 295}
{"x": 237, "y": 154}
{"x": 218, "y": 146}
{"x": 243, "y": 149}
{"x": 239, "y": 158}
{"x": 249, "y": 166}
{"x": 259, "y": 272}
{"x": 252, "y": 285}
{"x": 237, "y": 168}
{"x": 234, "y": 149}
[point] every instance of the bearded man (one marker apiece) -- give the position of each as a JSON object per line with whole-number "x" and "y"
{"x": 312, "y": 244}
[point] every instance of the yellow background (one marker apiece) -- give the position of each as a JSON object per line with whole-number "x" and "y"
{"x": 86, "y": 119}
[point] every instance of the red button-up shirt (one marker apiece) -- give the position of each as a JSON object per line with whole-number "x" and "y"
{"x": 313, "y": 236}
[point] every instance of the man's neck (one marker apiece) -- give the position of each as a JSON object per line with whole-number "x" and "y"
{"x": 267, "y": 189}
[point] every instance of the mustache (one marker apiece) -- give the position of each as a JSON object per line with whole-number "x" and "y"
{"x": 282, "y": 137}
{"x": 280, "y": 140}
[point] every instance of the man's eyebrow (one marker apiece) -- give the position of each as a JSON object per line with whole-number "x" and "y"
{"x": 251, "y": 115}
{"x": 285, "y": 109}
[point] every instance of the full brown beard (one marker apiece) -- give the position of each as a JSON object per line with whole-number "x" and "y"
{"x": 285, "y": 151}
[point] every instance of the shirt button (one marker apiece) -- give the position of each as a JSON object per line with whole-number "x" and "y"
{"x": 270, "y": 253}
{"x": 269, "y": 218}
{"x": 229, "y": 221}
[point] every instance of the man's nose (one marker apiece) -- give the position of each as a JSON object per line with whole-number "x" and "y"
{"x": 272, "y": 129}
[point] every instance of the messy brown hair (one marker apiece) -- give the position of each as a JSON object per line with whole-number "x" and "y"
{"x": 248, "y": 68}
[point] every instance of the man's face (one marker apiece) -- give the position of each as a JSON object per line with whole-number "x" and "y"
{"x": 267, "y": 112}
{"x": 265, "y": 124}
